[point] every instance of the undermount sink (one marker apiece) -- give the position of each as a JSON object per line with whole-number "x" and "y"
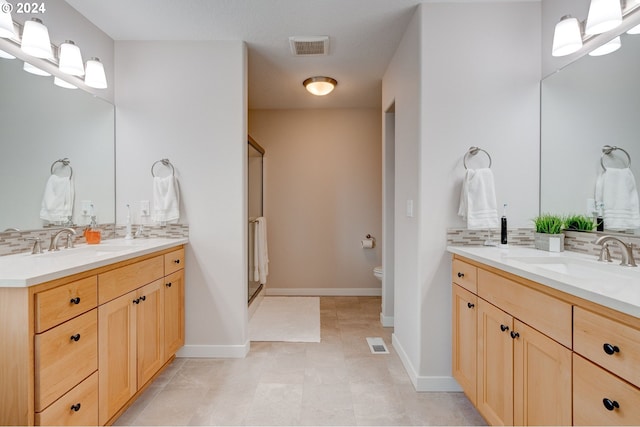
{"x": 579, "y": 268}
{"x": 104, "y": 248}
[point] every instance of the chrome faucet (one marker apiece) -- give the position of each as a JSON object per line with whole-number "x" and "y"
{"x": 625, "y": 248}
{"x": 64, "y": 231}
{"x": 139, "y": 232}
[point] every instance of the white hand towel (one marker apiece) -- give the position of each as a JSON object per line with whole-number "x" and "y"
{"x": 255, "y": 275}
{"x": 166, "y": 199}
{"x": 616, "y": 190}
{"x": 57, "y": 201}
{"x": 478, "y": 200}
{"x": 262, "y": 252}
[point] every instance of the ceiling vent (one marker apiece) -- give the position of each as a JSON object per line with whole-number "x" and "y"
{"x": 309, "y": 45}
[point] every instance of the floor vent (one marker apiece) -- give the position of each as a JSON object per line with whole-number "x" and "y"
{"x": 309, "y": 46}
{"x": 377, "y": 345}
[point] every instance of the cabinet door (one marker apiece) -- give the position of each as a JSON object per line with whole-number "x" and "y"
{"x": 116, "y": 354}
{"x": 464, "y": 342}
{"x": 173, "y": 313}
{"x": 542, "y": 379}
{"x": 495, "y": 364}
{"x": 150, "y": 330}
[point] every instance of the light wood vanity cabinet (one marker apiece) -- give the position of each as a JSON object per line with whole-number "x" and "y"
{"x": 78, "y": 350}
{"x": 523, "y": 377}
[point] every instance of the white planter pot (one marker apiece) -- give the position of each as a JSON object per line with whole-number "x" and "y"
{"x": 549, "y": 242}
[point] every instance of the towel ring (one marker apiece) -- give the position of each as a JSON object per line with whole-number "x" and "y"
{"x": 65, "y": 162}
{"x": 472, "y": 152}
{"x": 608, "y": 149}
{"x": 166, "y": 163}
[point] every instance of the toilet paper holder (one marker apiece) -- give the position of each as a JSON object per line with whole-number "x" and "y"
{"x": 370, "y": 238}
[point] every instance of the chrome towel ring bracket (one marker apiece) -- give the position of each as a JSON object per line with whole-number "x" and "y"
{"x": 65, "y": 162}
{"x": 607, "y": 150}
{"x": 166, "y": 163}
{"x": 472, "y": 152}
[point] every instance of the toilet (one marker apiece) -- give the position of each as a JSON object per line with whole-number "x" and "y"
{"x": 378, "y": 272}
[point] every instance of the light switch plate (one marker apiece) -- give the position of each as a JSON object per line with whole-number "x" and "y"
{"x": 85, "y": 207}
{"x": 410, "y": 208}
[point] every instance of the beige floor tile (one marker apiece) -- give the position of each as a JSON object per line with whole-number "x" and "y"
{"x": 275, "y": 404}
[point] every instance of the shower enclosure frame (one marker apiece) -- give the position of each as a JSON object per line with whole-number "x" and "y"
{"x": 253, "y": 287}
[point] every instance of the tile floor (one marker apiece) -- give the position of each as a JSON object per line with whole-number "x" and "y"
{"x": 335, "y": 382}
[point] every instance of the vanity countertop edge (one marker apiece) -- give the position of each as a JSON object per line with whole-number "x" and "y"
{"x": 622, "y": 295}
{"x": 25, "y": 270}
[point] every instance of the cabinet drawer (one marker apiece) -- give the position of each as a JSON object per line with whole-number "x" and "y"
{"x": 543, "y": 312}
{"x": 173, "y": 261}
{"x": 465, "y": 275}
{"x": 592, "y": 332}
{"x": 79, "y": 407}
{"x": 60, "y": 304}
{"x": 64, "y": 356}
{"x": 125, "y": 279}
{"x": 591, "y": 386}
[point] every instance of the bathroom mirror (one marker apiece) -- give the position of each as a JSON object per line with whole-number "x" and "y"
{"x": 590, "y": 103}
{"x": 41, "y": 123}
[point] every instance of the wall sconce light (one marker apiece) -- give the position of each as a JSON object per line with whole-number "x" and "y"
{"x": 35, "y": 39}
{"x": 70, "y": 61}
{"x": 604, "y": 15}
{"x": 6, "y": 22}
{"x": 95, "y": 76}
{"x": 62, "y": 83}
{"x": 6, "y": 55}
{"x": 320, "y": 85}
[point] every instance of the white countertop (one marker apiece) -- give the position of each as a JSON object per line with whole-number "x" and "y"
{"x": 25, "y": 269}
{"x": 607, "y": 284}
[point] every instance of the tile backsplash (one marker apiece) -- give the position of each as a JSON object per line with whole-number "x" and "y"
{"x": 14, "y": 242}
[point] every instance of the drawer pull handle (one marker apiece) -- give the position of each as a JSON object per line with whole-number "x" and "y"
{"x": 176, "y": 261}
{"x": 143, "y": 298}
{"x": 461, "y": 275}
{"x": 76, "y": 407}
{"x": 504, "y": 328}
{"x": 136, "y": 301}
{"x": 470, "y": 305}
{"x": 75, "y": 337}
{"x": 75, "y": 300}
{"x": 610, "y": 349}
{"x": 168, "y": 285}
{"x": 610, "y": 404}
{"x": 514, "y": 335}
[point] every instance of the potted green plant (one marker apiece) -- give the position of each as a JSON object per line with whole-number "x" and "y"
{"x": 579, "y": 223}
{"x": 548, "y": 235}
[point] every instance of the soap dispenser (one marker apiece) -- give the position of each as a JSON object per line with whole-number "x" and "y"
{"x": 503, "y": 227}
{"x": 92, "y": 233}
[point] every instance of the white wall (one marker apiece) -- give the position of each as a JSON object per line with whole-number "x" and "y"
{"x": 478, "y": 85}
{"x": 322, "y": 197}
{"x": 187, "y": 101}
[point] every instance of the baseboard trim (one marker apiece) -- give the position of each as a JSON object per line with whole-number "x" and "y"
{"x": 325, "y": 292}
{"x": 214, "y": 351}
{"x": 424, "y": 383}
{"x": 386, "y": 321}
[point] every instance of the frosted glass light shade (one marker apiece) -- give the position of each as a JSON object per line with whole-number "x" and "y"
{"x": 6, "y": 55}
{"x": 29, "y": 68}
{"x": 634, "y": 30}
{"x": 70, "y": 61}
{"x": 35, "y": 39}
{"x": 62, "y": 83}
{"x": 319, "y": 85}
{"x": 567, "y": 37}
{"x": 6, "y": 22}
{"x": 604, "y": 15}
{"x": 95, "y": 76}
{"x": 610, "y": 46}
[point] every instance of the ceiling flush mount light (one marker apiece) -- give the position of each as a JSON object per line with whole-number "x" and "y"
{"x": 610, "y": 46}
{"x": 35, "y": 39}
{"x": 567, "y": 37}
{"x": 6, "y": 22}
{"x": 320, "y": 85}
{"x": 95, "y": 76}
{"x": 604, "y": 15}
{"x": 70, "y": 61}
